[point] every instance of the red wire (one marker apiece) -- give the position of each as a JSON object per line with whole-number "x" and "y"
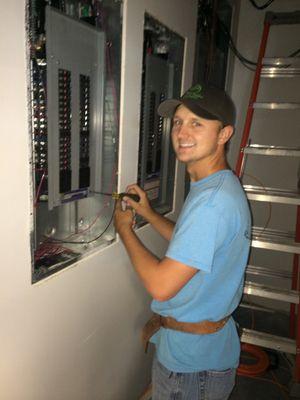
{"x": 39, "y": 189}
{"x": 48, "y": 248}
{"x": 86, "y": 229}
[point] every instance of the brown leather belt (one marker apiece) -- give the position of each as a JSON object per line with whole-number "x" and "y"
{"x": 197, "y": 328}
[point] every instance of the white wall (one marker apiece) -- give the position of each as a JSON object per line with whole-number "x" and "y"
{"x": 75, "y": 335}
{"x": 269, "y": 127}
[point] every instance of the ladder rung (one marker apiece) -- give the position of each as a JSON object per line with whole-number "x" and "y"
{"x": 281, "y": 61}
{"x": 257, "y": 307}
{"x": 283, "y": 18}
{"x": 272, "y": 239}
{"x": 279, "y": 343}
{"x": 277, "y": 106}
{"x": 272, "y": 195}
{"x": 272, "y": 150}
{"x": 271, "y": 292}
{"x": 280, "y": 67}
{"x": 268, "y": 272}
{"x": 273, "y": 72}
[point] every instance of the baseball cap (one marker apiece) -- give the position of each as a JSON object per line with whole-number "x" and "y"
{"x": 206, "y": 101}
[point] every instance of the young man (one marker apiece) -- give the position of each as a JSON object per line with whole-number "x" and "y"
{"x": 199, "y": 282}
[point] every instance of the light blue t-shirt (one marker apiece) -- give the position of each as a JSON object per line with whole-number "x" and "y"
{"x": 212, "y": 234}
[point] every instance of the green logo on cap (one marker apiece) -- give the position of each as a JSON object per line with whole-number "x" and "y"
{"x": 194, "y": 93}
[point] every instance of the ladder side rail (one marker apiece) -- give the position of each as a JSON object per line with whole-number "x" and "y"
{"x": 295, "y": 280}
{"x": 253, "y": 96}
{"x": 296, "y": 283}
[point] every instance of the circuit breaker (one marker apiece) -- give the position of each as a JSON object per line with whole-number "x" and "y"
{"x": 75, "y": 93}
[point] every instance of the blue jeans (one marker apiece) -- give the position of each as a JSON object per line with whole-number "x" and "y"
{"x": 204, "y": 385}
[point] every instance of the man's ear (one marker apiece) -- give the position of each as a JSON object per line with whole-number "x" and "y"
{"x": 225, "y": 134}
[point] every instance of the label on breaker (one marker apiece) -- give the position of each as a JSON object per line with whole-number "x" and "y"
{"x": 152, "y": 189}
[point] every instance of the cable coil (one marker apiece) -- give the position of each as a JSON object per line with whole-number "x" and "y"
{"x": 261, "y": 364}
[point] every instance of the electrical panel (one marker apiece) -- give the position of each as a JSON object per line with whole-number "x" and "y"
{"x": 162, "y": 70}
{"x": 154, "y": 146}
{"x": 211, "y": 56}
{"x": 75, "y": 92}
{"x": 75, "y": 57}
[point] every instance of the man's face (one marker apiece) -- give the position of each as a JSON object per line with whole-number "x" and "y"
{"x": 194, "y": 138}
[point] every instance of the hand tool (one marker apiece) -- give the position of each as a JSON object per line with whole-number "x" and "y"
{"x": 120, "y": 196}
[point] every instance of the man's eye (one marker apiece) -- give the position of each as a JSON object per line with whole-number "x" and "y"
{"x": 176, "y": 122}
{"x": 196, "y": 123}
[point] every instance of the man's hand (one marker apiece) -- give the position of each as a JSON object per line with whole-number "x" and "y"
{"x": 160, "y": 223}
{"x": 142, "y": 207}
{"x": 123, "y": 219}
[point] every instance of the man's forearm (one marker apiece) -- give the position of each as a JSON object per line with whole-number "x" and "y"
{"x": 161, "y": 278}
{"x": 143, "y": 261}
{"x": 161, "y": 224}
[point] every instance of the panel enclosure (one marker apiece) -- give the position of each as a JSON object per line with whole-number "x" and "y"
{"x": 75, "y": 52}
{"x": 162, "y": 73}
{"x": 212, "y": 50}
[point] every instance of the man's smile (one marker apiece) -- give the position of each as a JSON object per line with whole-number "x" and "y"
{"x": 186, "y": 145}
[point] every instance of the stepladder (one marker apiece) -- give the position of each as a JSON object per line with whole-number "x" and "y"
{"x": 268, "y": 166}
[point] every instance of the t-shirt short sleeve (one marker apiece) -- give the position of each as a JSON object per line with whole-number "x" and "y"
{"x": 195, "y": 240}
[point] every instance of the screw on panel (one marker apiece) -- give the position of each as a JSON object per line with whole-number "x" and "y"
{"x": 50, "y": 231}
{"x": 81, "y": 222}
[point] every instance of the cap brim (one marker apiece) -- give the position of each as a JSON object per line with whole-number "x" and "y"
{"x": 167, "y": 108}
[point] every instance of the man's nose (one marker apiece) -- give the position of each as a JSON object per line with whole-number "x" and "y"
{"x": 182, "y": 131}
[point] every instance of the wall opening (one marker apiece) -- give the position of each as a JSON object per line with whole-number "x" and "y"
{"x": 74, "y": 62}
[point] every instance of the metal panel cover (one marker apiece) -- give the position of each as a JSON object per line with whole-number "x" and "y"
{"x": 78, "y": 49}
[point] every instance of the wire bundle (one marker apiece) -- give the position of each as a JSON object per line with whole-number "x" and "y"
{"x": 245, "y": 61}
